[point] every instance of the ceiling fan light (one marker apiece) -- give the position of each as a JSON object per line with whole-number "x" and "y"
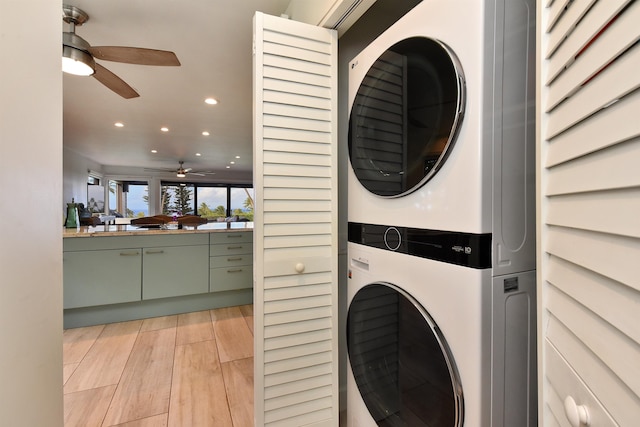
{"x": 78, "y": 62}
{"x": 181, "y": 175}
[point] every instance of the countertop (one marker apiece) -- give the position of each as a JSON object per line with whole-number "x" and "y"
{"x": 132, "y": 230}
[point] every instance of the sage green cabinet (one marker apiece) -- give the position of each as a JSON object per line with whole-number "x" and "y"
{"x": 97, "y": 277}
{"x": 170, "y": 271}
{"x": 231, "y": 261}
{"x": 103, "y": 270}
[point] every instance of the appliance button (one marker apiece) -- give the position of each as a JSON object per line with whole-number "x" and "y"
{"x": 392, "y": 238}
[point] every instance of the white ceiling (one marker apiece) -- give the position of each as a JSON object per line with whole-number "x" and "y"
{"x": 213, "y": 41}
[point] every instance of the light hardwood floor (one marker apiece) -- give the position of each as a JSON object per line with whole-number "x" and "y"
{"x": 187, "y": 370}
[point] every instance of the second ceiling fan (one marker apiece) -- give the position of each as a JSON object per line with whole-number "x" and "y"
{"x": 77, "y": 52}
{"x": 182, "y": 172}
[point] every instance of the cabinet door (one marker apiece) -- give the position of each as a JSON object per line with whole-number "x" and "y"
{"x": 171, "y": 271}
{"x": 236, "y": 248}
{"x": 231, "y": 237}
{"x": 230, "y": 260}
{"x": 231, "y": 278}
{"x": 101, "y": 277}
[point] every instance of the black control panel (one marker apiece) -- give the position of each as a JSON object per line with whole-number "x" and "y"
{"x": 467, "y": 249}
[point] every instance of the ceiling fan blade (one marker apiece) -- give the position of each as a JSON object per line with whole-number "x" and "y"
{"x": 135, "y": 55}
{"x": 159, "y": 170}
{"x": 114, "y": 82}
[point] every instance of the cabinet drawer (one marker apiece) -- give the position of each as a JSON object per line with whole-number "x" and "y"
{"x": 101, "y": 277}
{"x": 230, "y": 260}
{"x": 231, "y": 248}
{"x": 231, "y": 278}
{"x": 186, "y": 239}
{"x": 97, "y": 243}
{"x": 231, "y": 237}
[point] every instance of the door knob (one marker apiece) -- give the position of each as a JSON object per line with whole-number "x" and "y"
{"x": 578, "y": 415}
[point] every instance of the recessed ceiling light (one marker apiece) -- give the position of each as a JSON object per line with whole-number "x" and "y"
{"x": 154, "y": 151}
{"x": 232, "y": 163}
{"x": 211, "y": 101}
{"x": 205, "y": 133}
{"x": 228, "y": 167}
{"x": 198, "y": 154}
{"x": 164, "y": 129}
{"x": 237, "y": 157}
{"x": 118, "y": 124}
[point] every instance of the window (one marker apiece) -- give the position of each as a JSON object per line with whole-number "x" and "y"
{"x": 129, "y": 199}
{"x": 95, "y": 193}
{"x": 242, "y": 202}
{"x": 177, "y": 199}
{"x": 212, "y": 201}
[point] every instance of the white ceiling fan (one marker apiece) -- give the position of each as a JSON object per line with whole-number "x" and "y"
{"x": 182, "y": 172}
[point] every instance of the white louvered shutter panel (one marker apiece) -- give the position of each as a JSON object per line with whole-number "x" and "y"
{"x": 589, "y": 211}
{"x": 295, "y": 235}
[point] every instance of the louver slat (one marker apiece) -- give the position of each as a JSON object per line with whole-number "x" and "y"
{"x": 606, "y": 88}
{"x": 569, "y": 19}
{"x": 578, "y": 38}
{"x": 604, "y": 49}
{"x": 613, "y": 125}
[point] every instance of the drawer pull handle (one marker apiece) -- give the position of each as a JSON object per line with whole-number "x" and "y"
{"x": 155, "y": 252}
{"x": 578, "y": 415}
{"x": 299, "y": 267}
{"x": 234, "y": 259}
{"x": 129, "y": 253}
{"x": 231, "y": 236}
{"x": 239, "y": 270}
{"x": 234, "y": 247}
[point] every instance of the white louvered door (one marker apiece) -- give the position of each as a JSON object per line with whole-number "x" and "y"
{"x": 295, "y": 234}
{"x": 589, "y": 211}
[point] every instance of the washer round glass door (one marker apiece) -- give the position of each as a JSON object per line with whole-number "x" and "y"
{"x": 405, "y": 116}
{"x": 400, "y": 361}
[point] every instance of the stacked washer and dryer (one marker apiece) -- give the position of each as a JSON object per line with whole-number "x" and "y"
{"x": 441, "y": 194}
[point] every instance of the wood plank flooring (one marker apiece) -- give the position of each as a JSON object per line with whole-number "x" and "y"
{"x": 188, "y": 370}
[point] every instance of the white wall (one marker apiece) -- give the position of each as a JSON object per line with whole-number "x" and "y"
{"x": 336, "y": 14}
{"x": 31, "y": 233}
{"x": 311, "y": 13}
{"x": 75, "y": 172}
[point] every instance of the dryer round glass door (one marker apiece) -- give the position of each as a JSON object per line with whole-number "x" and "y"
{"x": 405, "y": 116}
{"x": 400, "y": 361}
